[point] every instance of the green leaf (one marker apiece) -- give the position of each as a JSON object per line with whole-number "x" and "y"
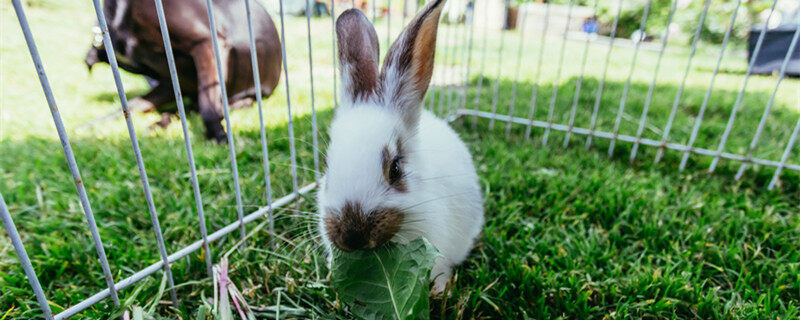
{"x": 391, "y": 282}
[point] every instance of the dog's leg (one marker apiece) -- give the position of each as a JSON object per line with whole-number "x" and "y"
{"x": 208, "y": 100}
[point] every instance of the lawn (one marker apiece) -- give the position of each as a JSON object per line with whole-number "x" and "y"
{"x": 570, "y": 233}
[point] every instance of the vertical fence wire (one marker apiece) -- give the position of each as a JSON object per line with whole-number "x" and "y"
{"x": 24, "y": 261}
{"x": 537, "y": 77}
{"x": 290, "y": 123}
{"x": 738, "y": 103}
{"x": 495, "y": 90}
{"x": 65, "y": 145}
{"x": 652, "y": 87}
{"x": 262, "y": 128}
{"x": 624, "y": 98}
{"x": 389, "y": 24}
{"x": 463, "y": 103}
{"x": 314, "y": 131}
{"x": 763, "y": 121}
{"x": 477, "y": 100}
{"x": 198, "y": 200}
{"x": 458, "y": 58}
{"x": 458, "y": 36}
{"x": 679, "y": 94}
{"x": 520, "y": 48}
{"x": 405, "y": 14}
{"x": 578, "y": 85}
{"x": 228, "y": 127}
{"x": 374, "y": 11}
{"x": 554, "y": 97}
{"x": 448, "y": 33}
{"x": 786, "y": 153}
{"x": 333, "y": 53}
{"x": 449, "y": 78}
{"x": 112, "y": 61}
{"x": 432, "y": 91}
{"x": 602, "y": 85}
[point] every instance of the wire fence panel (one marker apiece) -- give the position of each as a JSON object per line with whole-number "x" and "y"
{"x": 198, "y": 198}
{"x": 151, "y": 208}
{"x": 67, "y": 147}
{"x": 470, "y": 41}
{"x": 221, "y": 76}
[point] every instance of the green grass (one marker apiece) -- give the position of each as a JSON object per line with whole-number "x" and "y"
{"x": 569, "y": 232}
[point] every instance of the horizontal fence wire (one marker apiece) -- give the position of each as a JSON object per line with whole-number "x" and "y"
{"x": 217, "y": 235}
{"x": 626, "y": 138}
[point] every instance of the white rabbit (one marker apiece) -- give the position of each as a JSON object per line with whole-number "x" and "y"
{"x": 395, "y": 172}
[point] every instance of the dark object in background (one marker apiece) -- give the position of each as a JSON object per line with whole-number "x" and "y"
{"x": 320, "y": 9}
{"x": 774, "y": 50}
{"x": 139, "y": 48}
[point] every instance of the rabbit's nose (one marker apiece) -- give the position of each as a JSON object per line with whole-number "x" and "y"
{"x": 350, "y": 228}
{"x": 354, "y": 240}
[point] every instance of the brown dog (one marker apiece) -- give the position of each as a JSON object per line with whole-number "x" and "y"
{"x": 136, "y": 37}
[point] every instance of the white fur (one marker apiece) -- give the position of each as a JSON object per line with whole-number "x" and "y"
{"x": 443, "y": 202}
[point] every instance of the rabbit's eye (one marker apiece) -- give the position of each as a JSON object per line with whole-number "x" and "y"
{"x": 395, "y": 173}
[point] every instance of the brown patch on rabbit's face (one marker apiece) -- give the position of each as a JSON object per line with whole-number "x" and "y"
{"x": 350, "y": 229}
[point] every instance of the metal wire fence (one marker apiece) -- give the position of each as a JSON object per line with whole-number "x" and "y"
{"x": 457, "y": 92}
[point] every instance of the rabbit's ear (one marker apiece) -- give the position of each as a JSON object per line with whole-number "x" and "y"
{"x": 408, "y": 66}
{"x": 358, "y": 56}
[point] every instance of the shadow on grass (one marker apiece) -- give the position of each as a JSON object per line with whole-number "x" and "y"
{"x": 109, "y": 96}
